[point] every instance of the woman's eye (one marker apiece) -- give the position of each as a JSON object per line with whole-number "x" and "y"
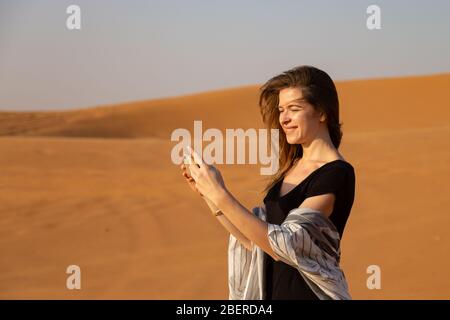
{"x": 292, "y": 109}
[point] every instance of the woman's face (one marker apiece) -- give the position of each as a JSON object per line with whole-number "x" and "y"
{"x": 299, "y": 120}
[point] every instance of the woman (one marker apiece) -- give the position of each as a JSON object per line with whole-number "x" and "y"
{"x": 289, "y": 248}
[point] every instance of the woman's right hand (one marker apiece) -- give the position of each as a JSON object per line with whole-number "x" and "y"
{"x": 190, "y": 181}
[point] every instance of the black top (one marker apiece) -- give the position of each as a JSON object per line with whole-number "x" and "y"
{"x": 338, "y": 177}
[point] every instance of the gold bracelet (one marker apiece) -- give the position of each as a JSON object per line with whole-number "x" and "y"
{"x": 218, "y": 213}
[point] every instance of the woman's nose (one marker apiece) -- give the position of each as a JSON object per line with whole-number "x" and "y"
{"x": 284, "y": 118}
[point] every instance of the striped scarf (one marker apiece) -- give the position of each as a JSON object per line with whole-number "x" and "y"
{"x": 307, "y": 240}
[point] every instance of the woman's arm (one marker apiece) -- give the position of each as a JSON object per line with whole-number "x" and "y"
{"x": 234, "y": 231}
{"x": 251, "y": 227}
{"x": 222, "y": 218}
{"x": 228, "y": 225}
{"x": 209, "y": 181}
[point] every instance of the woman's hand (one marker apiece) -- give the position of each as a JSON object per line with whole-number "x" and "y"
{"x": 190, "y": 181}
{"x": 207, "y": 179}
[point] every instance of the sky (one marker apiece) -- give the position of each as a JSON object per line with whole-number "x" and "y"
{"x": 136, "y": 50}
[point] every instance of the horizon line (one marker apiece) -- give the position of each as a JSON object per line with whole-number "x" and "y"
{"x": 230, "y": 88}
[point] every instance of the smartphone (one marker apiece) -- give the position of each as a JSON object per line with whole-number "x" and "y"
{"x": 187, "y": 162}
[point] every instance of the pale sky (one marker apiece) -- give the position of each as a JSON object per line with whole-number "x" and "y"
{"x": 133, "y": 50}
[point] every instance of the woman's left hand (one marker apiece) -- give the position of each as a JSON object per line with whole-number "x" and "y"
{"x": 208, "y": 180}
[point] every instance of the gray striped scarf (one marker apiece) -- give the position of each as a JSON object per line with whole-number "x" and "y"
{"x": 307, "y": 240}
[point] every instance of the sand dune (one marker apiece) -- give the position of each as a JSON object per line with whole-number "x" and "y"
{"x": 119, "y": 209}
{"x": 154, "y": 118}
{"x": 390, "y": 104}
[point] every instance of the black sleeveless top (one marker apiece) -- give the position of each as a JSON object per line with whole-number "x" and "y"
{"x": 338, "y": 177}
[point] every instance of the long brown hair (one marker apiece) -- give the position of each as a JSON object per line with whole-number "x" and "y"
{"x": 318, "y": 90}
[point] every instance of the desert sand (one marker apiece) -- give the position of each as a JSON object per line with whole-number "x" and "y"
{"x": 96, "y": 187}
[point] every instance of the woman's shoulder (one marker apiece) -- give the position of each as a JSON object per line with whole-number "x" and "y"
{"x": 339, "y": 164}
{"x": 339, "y": 170}
{"x": 336, "y": 177}
{"x": 344, "y": 164}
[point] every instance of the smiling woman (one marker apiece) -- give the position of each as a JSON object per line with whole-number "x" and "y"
{"x": 289, "y": 248}
{"x": 305, "y": 99}
{"x": 303, "y": 103}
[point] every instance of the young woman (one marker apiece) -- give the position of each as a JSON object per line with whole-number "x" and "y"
{"x": 289, "y": 248}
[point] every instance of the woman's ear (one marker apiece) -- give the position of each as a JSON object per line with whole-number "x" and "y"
{"x": 323, "y": 117}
